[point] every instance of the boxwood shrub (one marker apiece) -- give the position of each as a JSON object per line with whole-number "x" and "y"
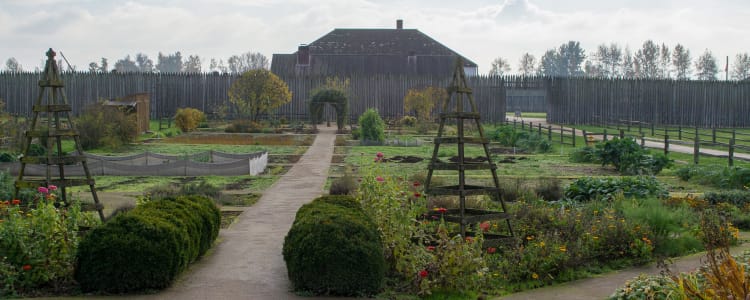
{"x": 147, "y": 247}
{"x": 334, "y": 248}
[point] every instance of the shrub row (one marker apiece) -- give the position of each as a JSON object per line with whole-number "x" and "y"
{"x": 721, "y": 177}
{"x": 334, "y": 248}
{"x": 147, "y": 247}
{"x": 625, "y": 155}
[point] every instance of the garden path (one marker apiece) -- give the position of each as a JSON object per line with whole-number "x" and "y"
{"x": 247, "y": 262}
{"x": 653, "y": 144}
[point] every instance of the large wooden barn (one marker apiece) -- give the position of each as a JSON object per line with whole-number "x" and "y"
{"x": 346, "y": 52}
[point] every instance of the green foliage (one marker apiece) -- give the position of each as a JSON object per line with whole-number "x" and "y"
{"x": 257, "y": 92}
{"x": 37, "y": 150}
{"x": 408, "y": 121}
{"x": 717, "y": 176}
{"x": 344, "y": 185}
{"x": 38, "y": 244}
{"x": 334, "y": 97}
{"x": 371, "y": 126}
{"x": 106, "y": 126}
{"x": 549, "y": 189}
{"x": 328, "y": 234}
{"x": 7, "y": 157}
{"x": 670, "y": 225}
{"x": 244, "y": 126}
{"x": 509, "y": 136}
{"x": 590, "y": 188}
{"x": 734, "y": 197}
{"x": 188, "y": 119}
{"x": 629, "y": 158}
{"x": 656, "y": 287}
{"x": 147, "y": 247}
{"x": 422, "y": 103}
{"x": 584, "y": 155}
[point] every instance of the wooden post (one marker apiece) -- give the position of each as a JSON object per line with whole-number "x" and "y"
{"x": 540, "y": 129}
{"x": 574, "y": 137}
{"x": 666, "y": 144}
{"x": 562, "y": 141}
{"x": 679, "y": 132}
{"x": 731, "y": 152}
{"x": 549, "y": 133}
{"x": 653, "y": 130}
{"x": 713, "y": 135}
{"x": 585, "y": 139}
{"x": 604, "y": 137}
{"x": 514, "y": 123}
{"x": 531, "y": 127}
{"x": 622, "y": 134}
{"x": 696, "y": 147}
{"x": 643, "y": 140}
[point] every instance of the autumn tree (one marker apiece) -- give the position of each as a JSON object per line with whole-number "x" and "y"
{"x": 246, "y": 62}
{"x": 706, "y": 67}
{"x": 741, "y": 66}
{"x": 681, "y": 62}
{"x": 258, "y": 91}
{"x": 192, "y": 65}
{"x": 422, "y": 101}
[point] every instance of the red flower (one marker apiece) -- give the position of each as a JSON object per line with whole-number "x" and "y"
{"x": 441, "y": 210}
{"x": 417, "y": 184}
{"x": 376, "y": 159}
{"x": 491, "y": 250}
{"x": 16, "y": 202}
{"x": 379, "y": 179}
{"x": 42, "y": 190}
{"x": 423, "y": 273}
{"x": 26, "y": 267}
{"x": 6, "y": 202}
{"x": 379, "y": 154}
{"x": 469, "y": 239}
{"x": 485, "y": 226}
{"x": 417, "y": 195}
{"x": 430, "y": 248}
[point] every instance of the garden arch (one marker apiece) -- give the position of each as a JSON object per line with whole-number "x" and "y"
{"x": 333, "y": 97}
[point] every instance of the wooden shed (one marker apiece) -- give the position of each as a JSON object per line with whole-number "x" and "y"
{"x": 138, "y": 104}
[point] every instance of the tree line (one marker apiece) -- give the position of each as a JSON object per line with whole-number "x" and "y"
{"x": 165, "y": 63}
{"x": 652, "y": 61}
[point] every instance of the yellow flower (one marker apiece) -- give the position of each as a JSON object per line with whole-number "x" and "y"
{"x": 535, "y": 276}
{"x": 595, "y": 237}
{"x": 563, "y": 248}
{"x": 541, "y": 244}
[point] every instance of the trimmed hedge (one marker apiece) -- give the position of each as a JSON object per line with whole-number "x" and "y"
{"x": 147, "y": 247}
{"x": 334, "y": 248}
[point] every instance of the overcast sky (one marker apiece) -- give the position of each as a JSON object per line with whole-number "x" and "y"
{"x": 85, "y": 30}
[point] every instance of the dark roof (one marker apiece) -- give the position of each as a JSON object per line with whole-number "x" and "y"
{"x": 372, "y": 51}
{"x": 401, "y": 42}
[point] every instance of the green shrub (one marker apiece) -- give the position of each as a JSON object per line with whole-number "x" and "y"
{"x": 671, "y": 226}
{"x": 334, "y": 249}
{"x": 371, "y": 127}
{"x": 589, "y": 188}
{"x": 629, "y": 158}
{"x": 7, "y": 157}
{"x": 584, "y": 155}
{"x": 345, "y": 185}
{"x": 735, "y": 197}
{"x": 244, "y": 126}
{"x": 721, "y": 177}
{"x": 408, "y": 121}
{"x": 656, "y": 287}
{"x": 509, "y": 136}
{"x": 147, "y": 247}
{"x": 188, "y": 119}
{"x": 549, "y": 189}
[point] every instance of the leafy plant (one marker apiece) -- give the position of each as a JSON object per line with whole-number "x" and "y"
{"x": 188, "y": 119}
{"x": 717, "y": 176}
{"x": 629, "y": 158}
{"x": 371, "y": 127}
{"x": 590, "y": 188}
{"x": 509, "y": 136}
{"x": 106, "y": 126}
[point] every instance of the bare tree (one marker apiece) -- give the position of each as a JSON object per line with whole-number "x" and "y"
{"x": 681, "y": 62}
{"x": 527, "y": 65}
{"x": 628, "y": 65}
{"x": 705, "y": 66}
{"x": 247, "y": 61}
{"x": 499, "y": 66}
{"x": 647, "y": 60}
{"x": 192, "y": 65}
{"x": 217, "y": 66}
{"x": 664, "y": 61}
{"x": 741, "y": 66}
{"x": 93, "y": 67}
{"x": 12, "y": 65}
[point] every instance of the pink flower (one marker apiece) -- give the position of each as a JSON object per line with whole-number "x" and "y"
{"x": 52, "y": 187}
{"x": 379, "y": 154}
{"x": 379, "y": 179}
{"x": 43, "y": 190}
{"x": 441, "y": 210}
{"x": 376, "y": 159}
{"x": 485, "y": 226}
{"x": 423, "y": 273}
{"x": 491, "y": 250}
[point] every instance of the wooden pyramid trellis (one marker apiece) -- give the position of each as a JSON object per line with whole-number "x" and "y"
{"x": 51, "y": 124}
{"x": 459, "y": 92}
